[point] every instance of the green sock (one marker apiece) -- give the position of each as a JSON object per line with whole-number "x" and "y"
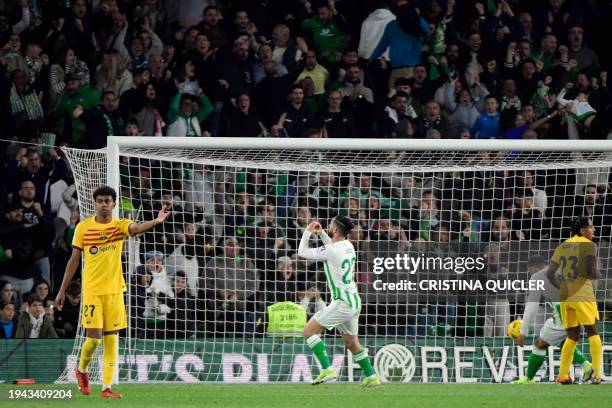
{"x": 579, "y": 357}
{"x": 362, "y": 359}
{"x": 534, "y": 363}
{"x": 318, "y": 348}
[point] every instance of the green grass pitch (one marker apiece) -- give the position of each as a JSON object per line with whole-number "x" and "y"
{"x": 331, "y": 395}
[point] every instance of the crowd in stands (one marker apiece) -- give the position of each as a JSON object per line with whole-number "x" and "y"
{"x": 74, "y": 72}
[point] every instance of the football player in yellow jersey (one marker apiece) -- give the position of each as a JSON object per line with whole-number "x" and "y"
{"x": 576, "y": 260}
{"x": 100, "y": 239}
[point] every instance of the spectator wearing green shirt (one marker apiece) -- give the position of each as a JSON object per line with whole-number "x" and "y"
{"x": 186, "y": 114}
{"x": 77, "y": 95}
{"x": 544, "y": 56}
{"x": 327, "y": 33}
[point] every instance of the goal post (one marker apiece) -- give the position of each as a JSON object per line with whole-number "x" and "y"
{"x": 204, "y": 288}
{"x": 416, "y": 145}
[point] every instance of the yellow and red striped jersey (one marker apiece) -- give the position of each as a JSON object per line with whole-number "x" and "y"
{"x": 102, "y": 245}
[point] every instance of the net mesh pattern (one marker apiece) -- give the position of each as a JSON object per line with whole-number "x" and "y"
{"x": 229, "y": 251}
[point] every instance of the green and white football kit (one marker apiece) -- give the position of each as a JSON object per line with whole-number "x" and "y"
{"x": 343, "y": 311}
{"x": 339, "y": 259}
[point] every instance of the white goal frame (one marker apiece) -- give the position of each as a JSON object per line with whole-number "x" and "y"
{"x": 567, "y": 147}
{"x": 415, "y": 145}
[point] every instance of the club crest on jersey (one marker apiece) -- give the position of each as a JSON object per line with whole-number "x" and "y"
{"x": 93, "y": 250}
{"x": 103, "y": 236}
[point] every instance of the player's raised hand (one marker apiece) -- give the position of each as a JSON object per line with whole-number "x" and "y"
{"x": 163, "y": 214}
{"x": 314, "y": 227}
{"x": 59, "y": 300}
{"x": 520, "y": 340}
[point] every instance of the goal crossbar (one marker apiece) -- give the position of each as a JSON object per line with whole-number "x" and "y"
{"x": 362, "y": 144}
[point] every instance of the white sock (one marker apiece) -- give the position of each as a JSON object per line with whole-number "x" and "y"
{"x": 106, "y": 386}
{"x": 81, "y": 371}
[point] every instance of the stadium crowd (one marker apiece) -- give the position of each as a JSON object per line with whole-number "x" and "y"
{"x": 74, "y": 72}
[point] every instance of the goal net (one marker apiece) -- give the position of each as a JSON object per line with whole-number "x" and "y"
{"x": 218, "y": 293}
